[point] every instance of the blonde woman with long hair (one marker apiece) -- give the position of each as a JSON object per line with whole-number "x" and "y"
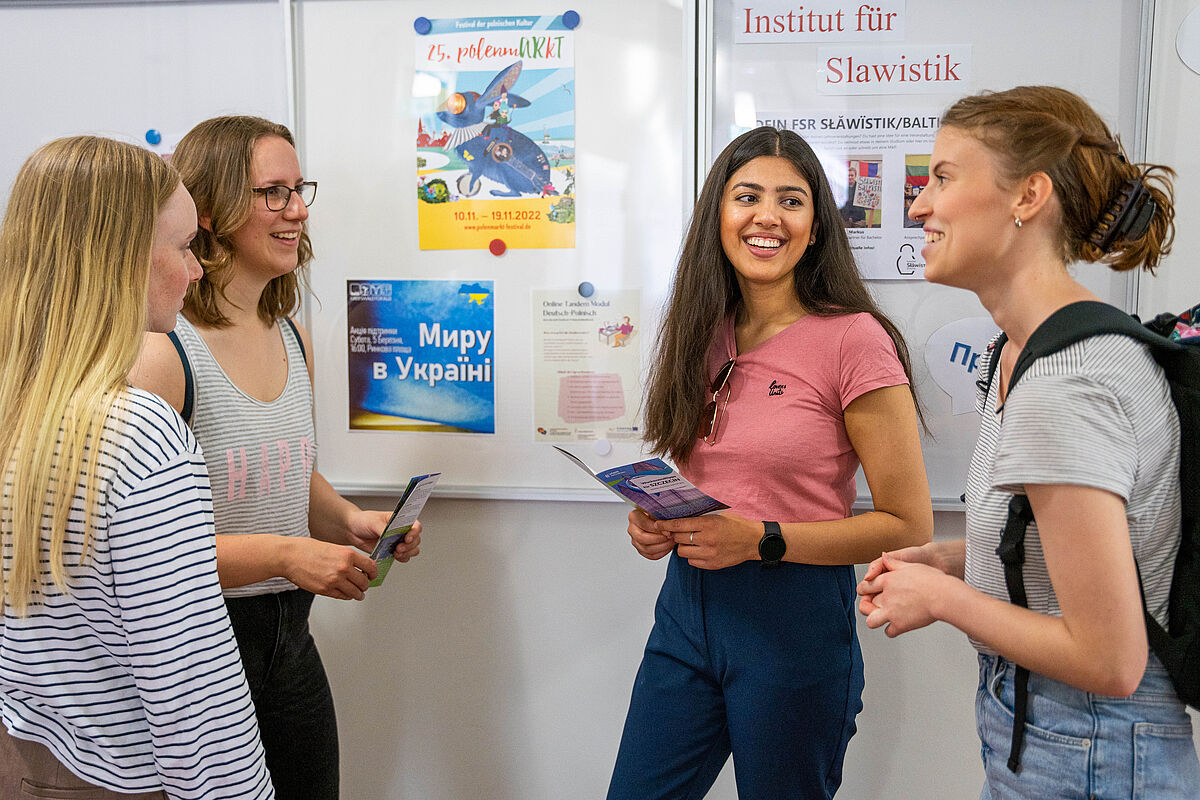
{"x": 119, "y": 673}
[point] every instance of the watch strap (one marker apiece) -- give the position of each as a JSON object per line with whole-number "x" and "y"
{"x": 772, "y": 538}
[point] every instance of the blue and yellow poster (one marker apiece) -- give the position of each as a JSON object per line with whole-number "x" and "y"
{"x": 421, "y": 355}
{"x": 496, "y": 132}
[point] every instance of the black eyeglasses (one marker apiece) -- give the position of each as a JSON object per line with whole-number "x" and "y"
{"x": 710, "y": 419}
{"x": 278, "y": 197}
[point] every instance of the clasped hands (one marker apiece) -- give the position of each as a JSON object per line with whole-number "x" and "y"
{"x": 899, "y": 590}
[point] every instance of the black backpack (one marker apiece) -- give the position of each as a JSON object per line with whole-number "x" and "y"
{"x": 1178, "y": 647}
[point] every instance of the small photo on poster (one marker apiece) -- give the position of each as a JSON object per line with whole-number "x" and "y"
{"x": 864, "y": 189}
{"x": 916, "y": 177}
{"x": 420, "y": 355}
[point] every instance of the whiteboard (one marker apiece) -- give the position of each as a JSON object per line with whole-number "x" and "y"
{"x": 1092, "y": 47}
{"x": 358, "y": 139}
{"x": 121, "y": 69}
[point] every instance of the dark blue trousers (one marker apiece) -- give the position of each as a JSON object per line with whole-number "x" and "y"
{"x": 761, "y": 663}
{"x": 291, "y": 694}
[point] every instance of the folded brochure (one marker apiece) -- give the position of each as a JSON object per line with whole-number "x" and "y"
{"x": 407, "y": 510}
{"x": 654, "y": 487}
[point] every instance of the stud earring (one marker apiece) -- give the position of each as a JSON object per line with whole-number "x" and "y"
{"x": 812, "y": 240}
{"x": 1017, "y": 220}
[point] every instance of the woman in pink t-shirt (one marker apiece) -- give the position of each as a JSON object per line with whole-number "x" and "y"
{"x": 776, "y": 377}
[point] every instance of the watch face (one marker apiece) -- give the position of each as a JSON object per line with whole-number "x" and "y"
{"x": 772, "y": 548}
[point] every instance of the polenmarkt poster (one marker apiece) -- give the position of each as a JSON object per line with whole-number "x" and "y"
{"x": 586, "y": 365}
{"x": 496, "y": 131}
{"x": 877, "y": 163}
{"x": 420, "y": 355}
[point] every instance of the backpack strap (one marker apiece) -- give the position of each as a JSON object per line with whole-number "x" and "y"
{"x": 189, "y": 380}
{"x": 1065, "y": 327}
{"x": 1012, "y": 555}
{"x": 299, "y": 341}
{"x": 984, "y": 384}
{"x": 1076, "y": 322}
{"x": 1068, "y": 325}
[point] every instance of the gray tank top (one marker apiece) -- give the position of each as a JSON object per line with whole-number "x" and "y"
{"x": 260, "y": 454}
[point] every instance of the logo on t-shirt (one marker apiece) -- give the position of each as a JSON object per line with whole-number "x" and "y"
{"x": 776, "y": 388}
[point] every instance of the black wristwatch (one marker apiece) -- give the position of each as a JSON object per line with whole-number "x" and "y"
{"x": 772, "y": 545}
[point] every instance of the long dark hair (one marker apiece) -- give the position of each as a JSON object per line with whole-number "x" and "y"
{"x": 706, "y": 290}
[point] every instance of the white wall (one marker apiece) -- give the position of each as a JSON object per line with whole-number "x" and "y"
{"x": 1171, "y": 140}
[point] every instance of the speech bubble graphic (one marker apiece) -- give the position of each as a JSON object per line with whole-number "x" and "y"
{"x": 952, "y": 354}
{"x": 1187, "y": 41}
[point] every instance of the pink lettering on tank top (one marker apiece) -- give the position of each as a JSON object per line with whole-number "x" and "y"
{"x": 264, "y": 471}
{"x": 306, "y": 453}
{"x": 237, "y": 477}
{"x": 285, "y": 462}
{"x": 238, "y": 467}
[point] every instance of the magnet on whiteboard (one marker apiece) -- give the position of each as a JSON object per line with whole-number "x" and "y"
{"x": 153, "y": 137}
{"x": 603, "y": 447}
{"x": 586, "y": 289}
{"x": 571, "y": 19}
{"x": 497, "y": 246}
{"x": 422, "y": 25}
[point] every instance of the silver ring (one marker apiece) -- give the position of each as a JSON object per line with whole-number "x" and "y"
{"x": 692, "y": 537}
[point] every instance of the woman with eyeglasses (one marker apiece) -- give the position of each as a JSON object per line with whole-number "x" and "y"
{"x": 776, "y": 376}
{"x": 1070, "y": 703}
{"x": 119, "y": 673}
{"x": 240, "y": 372}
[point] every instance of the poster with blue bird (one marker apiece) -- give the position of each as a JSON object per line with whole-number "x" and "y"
{"x": 495, "y": 132}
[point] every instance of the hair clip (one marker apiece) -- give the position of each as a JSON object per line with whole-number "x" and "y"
{"x": 1127, "y": 216}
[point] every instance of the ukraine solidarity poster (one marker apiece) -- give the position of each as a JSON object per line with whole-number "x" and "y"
{"x": 420, "y": 355}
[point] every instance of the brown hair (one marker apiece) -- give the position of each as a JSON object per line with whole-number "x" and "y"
{"x": 214, "y": 159}
{"x": 705, "y": 290}
{"x": 1047, "y": 129}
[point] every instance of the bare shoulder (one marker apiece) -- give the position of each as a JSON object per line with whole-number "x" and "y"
{"x": 159, "y": 370}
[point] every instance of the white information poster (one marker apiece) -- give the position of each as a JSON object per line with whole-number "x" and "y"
{"x": 877, "y": 163}
{"x": 586, "y": 365}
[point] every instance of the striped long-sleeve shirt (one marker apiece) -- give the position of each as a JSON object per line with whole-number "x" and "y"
{"x": 132, "y": 678}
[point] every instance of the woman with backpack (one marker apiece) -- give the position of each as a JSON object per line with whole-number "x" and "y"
{"x": 1071, "y": 702}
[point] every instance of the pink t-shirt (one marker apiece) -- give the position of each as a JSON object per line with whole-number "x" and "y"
{"x": 781, "y": 451}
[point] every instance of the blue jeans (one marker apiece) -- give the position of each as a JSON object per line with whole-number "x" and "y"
{"x": 760, "y": 663}
{"x": 1084, "y": 745}
{"x": 291, "y": 695}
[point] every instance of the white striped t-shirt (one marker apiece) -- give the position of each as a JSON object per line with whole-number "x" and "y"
{"x": 1097, "y": 413}
{"x": 132, "y": 679}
